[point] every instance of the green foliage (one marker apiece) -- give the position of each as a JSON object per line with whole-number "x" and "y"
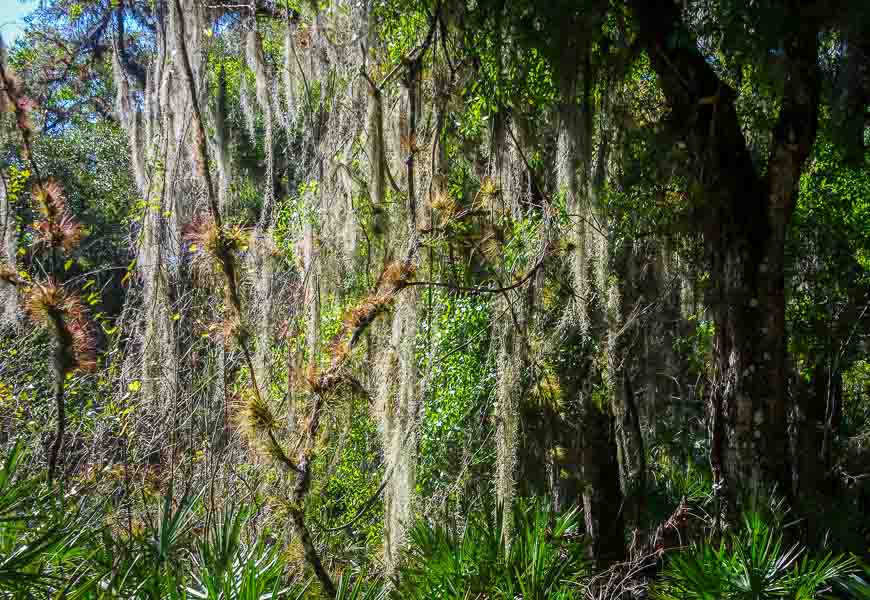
{"x": 752, "y": 563}
{"x": 697, "y": 345}
{"x": 51, "y": 541}
{"x": 16, "y": 184}
{"x": 494, "y": 76}
{"x": 37, "y": 536}
{"x": 351, "y": 476}
{"x": 544, "y": 560}
{"x": 355, "y": 588}
{"x": 452, "y": 350}
{"x": 402, "y": 27}
{"x": 690, "y": 481}
{"x": 91, "y": 160}
{"x": 227, "y": 568}
{"x": 830, "y": 246}
{"x": 856, "y": 408}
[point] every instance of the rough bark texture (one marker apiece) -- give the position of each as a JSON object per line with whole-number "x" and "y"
{"x": 154, "y": 153}
{"x": 262, "y": 305}
{"x": 744, "y": 226}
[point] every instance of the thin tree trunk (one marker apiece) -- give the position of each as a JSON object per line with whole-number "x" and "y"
{"x": 602, "y": 497}
{"x": 9, "y": 313}
{"x": 58, "y": 376}
{"x": 596, "y": 450}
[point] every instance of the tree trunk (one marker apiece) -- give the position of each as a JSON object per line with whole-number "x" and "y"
{"x": 744, "y": 219}
{"x": 818, "y": 408}
{"x": 852, "y": 96}
{"x": 8, "y": 257}
{"x": 598, "y": 465}
{"x": 602, "y": 497}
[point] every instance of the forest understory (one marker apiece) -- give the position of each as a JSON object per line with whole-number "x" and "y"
{"x": 436, "y": 299}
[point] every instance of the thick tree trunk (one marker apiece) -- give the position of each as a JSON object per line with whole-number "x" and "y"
{"x": 602, "y": 497}
{"x": 750, "y": 442}
{"x": 744, "y": 218}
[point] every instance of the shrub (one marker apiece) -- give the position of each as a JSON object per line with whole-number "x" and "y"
{"x": 753, "y": 563}
{"x": 546, "y": 558}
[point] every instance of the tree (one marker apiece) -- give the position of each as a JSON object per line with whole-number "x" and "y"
{"x": 744, "y": 212}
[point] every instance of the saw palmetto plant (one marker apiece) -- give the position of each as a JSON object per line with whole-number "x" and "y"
{"x": 754, "y": 562}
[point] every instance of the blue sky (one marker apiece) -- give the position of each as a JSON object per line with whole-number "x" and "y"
{"x": 12, "y": 13}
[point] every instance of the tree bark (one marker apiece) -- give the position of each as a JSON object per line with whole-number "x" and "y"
{"x": 598, "y": 467}
{"x": 744, "y": 223}
{"x": 602, "y": 496}
{"x": 819, "y": 407}
{"x": 8, "y": 249}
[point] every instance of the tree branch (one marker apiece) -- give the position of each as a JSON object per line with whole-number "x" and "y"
{"x": 702, "y": 105}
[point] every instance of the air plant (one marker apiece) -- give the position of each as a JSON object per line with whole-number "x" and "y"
{"x": 64, "y": 232}
{"x": 396, "y": 276}
{"x": 321, "y": 382}
{"x": 358, "y": 318}
{"x": 488, "y": 190}
{"x": 57, "y": 228}
{"x": 9, "y": 275}
{"x": 218, "y": 245}
{"x": 255, "y": 417}
{"x": 63, "y": 314}
{"x": 492, "y": 243}
{"x": 547, "y": 393}
{"x": 215, "y": 243}
{"x": 444, "y": 204}
{"x": 49, "y": 198}
{"x": 50, "y": 305}
{"x": 258, "y": 423}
